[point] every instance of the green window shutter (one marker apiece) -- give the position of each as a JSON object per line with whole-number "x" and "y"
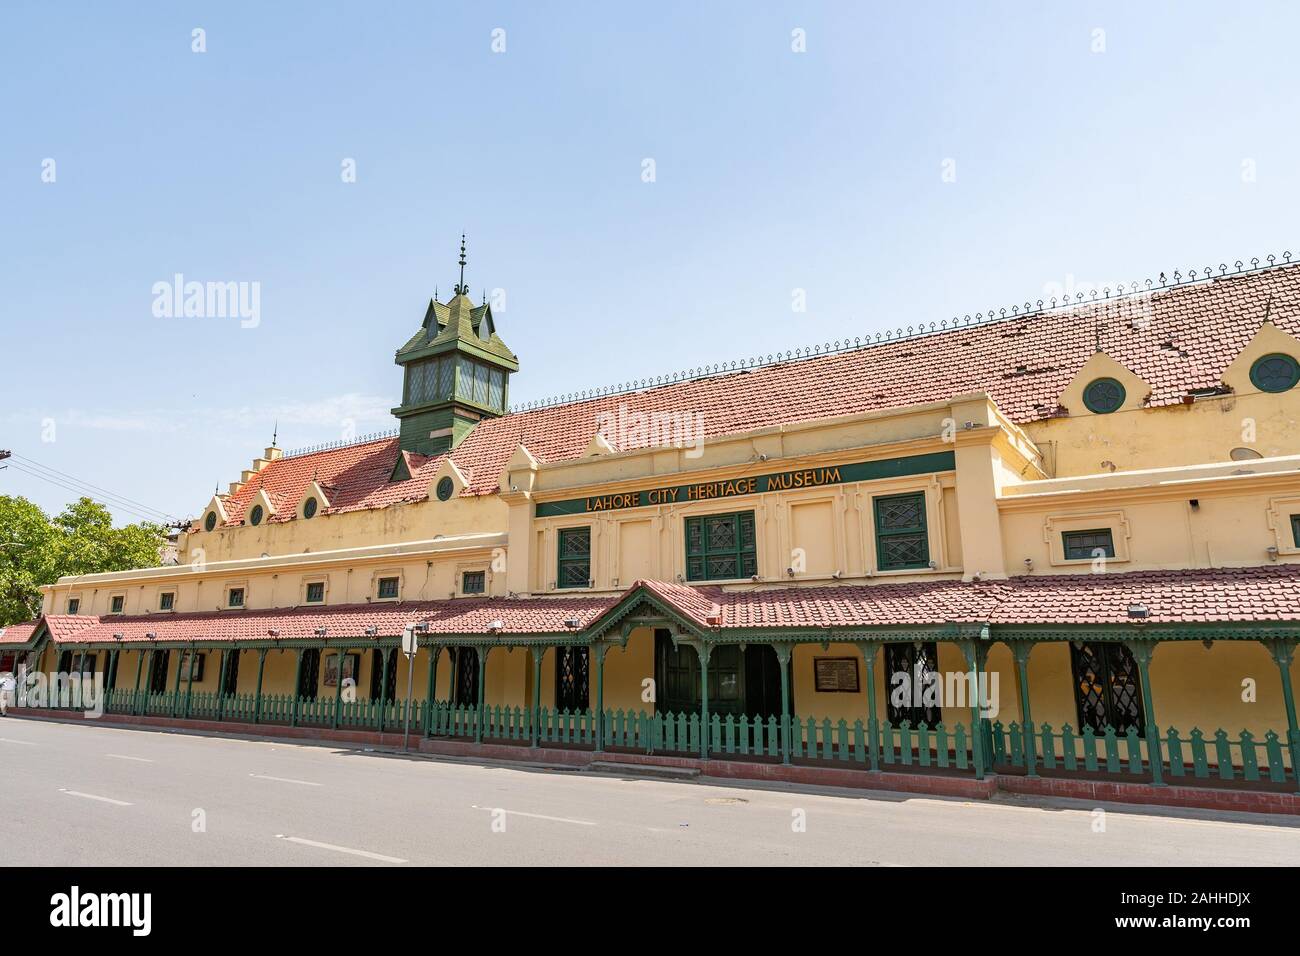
{"x": 902, "y": 540}
{"x": 721, "y": 547}
{"x": 1084, "y": 545}
{"x": 574, "y": 569}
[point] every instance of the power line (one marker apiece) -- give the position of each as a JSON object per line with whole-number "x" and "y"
{"x": 82, "y": 492}
{"x": 31, "y": 463}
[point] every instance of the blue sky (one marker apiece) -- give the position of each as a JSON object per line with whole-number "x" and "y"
{"x": 1173, "y": 146}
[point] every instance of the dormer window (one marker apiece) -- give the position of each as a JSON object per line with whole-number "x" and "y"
{"x": 309, "y": 508}
{"x": 256, "y": 515}
{"x": 446, "y": 488}
{"x": 210, "y": 521}
{"x": 1275, "y": 373}
{"x": 1103, "y": 396}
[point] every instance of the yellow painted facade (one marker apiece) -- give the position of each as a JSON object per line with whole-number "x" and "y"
{"x": 1169, "y": 484}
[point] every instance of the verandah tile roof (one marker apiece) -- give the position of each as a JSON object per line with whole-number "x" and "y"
{"x": 1178, "y": 339}
{"x": 1215, "y": 595}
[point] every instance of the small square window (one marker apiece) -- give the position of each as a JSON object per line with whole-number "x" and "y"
{"x": 387, "y": 588}
{"x": 574, "y": 566}
{"x": 1295, "y": 531}
{"x": 74, "y": 605}
{"x": 116, "y": 603}
{"x": 316, "y": 592}
{"x": 236, "y": 598}
{"x": 1086, "y": 545}
{"x": 166, "y": 600}
{"x": 473, "y": 582}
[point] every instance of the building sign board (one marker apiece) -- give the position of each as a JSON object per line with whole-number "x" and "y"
{"x": 755, "y": 485}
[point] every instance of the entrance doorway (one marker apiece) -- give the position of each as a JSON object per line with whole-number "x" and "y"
{"x": 741, "y": 680}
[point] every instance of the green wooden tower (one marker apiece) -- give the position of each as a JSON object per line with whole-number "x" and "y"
{"x": 457, "y": 372}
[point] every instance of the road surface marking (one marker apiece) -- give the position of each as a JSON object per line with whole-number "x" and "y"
{"x": 91, "y": 796}
{"x": 128, "y": 757}
{"x": 534, "y": 816}
{"x": 341, "y": 849}
{"x": 305, "y": 783}
{"x": 25, "y": 743}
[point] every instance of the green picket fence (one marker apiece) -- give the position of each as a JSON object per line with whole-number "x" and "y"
{"x": 1221, "y": 756}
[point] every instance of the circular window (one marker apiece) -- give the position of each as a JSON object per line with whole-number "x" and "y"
{"x": 1275, "y": 373}
{"x": 309, "y": 508}
{"x": 210, "y": 521}
{"x": 255, "y": 516}
{"x": 1103, "y": 396}
{"x": 445, "y": 488}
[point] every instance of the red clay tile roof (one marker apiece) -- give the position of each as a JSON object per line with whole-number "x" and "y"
{"x": 1209, "y": 595}
{"x": 1259, "y": 594}
{"x": 1178, "y": 339}
{"x": 18, "y": 633}
{"x": 341, "y": 622}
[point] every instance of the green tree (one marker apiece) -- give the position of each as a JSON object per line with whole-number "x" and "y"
{"x": 36, "y": 550}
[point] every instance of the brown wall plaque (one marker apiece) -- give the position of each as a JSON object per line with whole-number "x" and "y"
{"x": 836, "y": 675}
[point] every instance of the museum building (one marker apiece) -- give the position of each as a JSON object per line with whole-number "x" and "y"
{"x": 1089, "y": 510}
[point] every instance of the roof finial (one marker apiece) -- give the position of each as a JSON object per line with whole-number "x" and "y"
{"x": 462, "y": 288}
{"x": 1268, "y": 307}
{"x": 275, "y": 432}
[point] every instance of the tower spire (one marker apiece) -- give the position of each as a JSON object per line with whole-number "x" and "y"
{"x": 462, "y": 288}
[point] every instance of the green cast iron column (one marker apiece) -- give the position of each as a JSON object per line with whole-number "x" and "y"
{"x": 434, "y": 653}
{"x": 599, "y": 651}
{"x": 783, "y": 654}
{"x": 139, "y": 666}
{"x": 338, "y": 687}
{"x": 189, "y": 683}
{"x": 976, "y": 655}
{"x": 176, "y": 691}
{"x": 1142, "y": 652}
{"x": 297, "y": 690}
{"x": 704, "y": 651}
{"x": 221, "y": 685}
{"x": 869, "y": 651}
{"x": 1283, "y": 653}
{"x": 538, "y": 654}
{"x": 81, "y": 683}
{"x": 257, "y": 700}
{"x": 1020, "y": 651}
{"x": 482, "y": 679}
{"x": 383, "y": 690}
{"x": 112, "y": 672}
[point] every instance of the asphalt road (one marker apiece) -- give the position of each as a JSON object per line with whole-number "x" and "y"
{"x": 85, "y": 794}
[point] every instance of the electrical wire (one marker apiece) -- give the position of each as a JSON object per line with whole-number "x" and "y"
{"x": 82, "y": 492}
{"x": 31, "y": 463}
